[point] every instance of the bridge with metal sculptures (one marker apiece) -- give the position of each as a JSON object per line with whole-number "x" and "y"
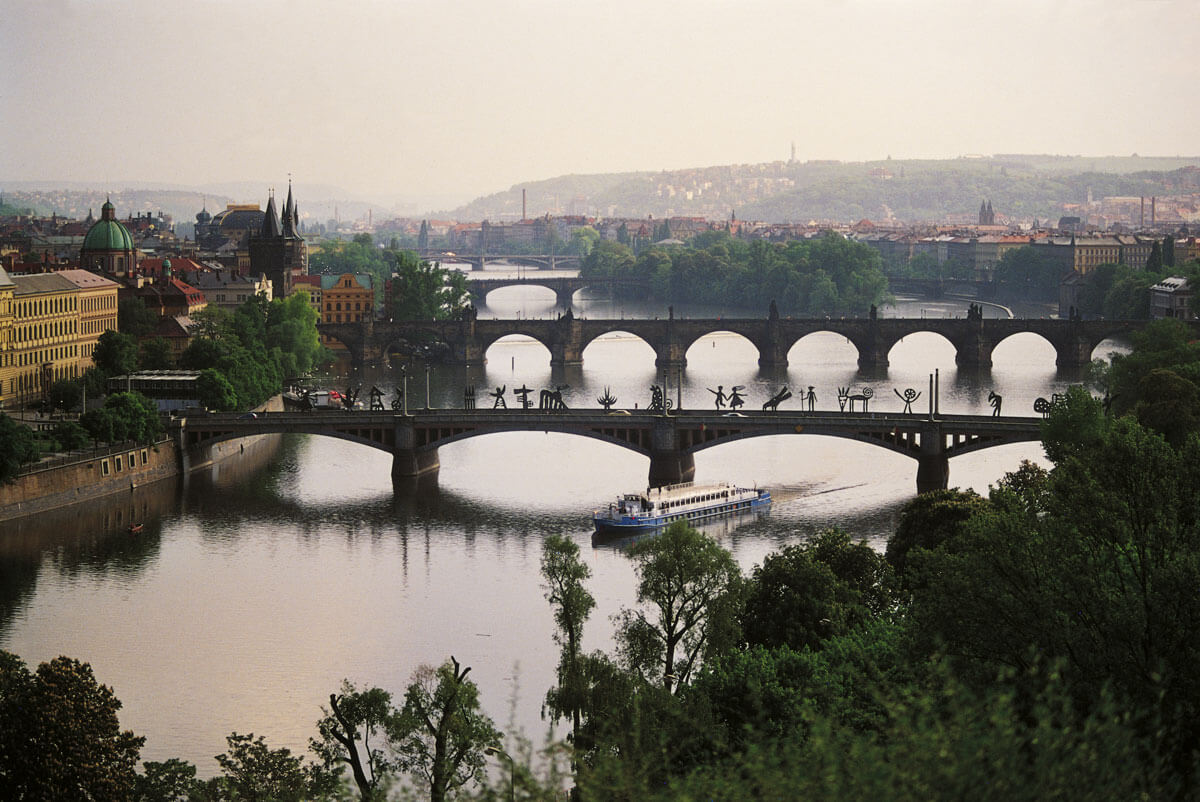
{"x": 564, "y": 287}
{"x": 670, "y": 441}
{"x": 973, "y": 337}
{"x": 542, "y": 261}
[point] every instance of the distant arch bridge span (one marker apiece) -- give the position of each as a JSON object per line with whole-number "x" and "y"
{"x": 670, "y": 441}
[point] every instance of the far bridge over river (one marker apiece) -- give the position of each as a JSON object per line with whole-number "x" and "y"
{"x": 670, "y": 441}
{"x": 973, "y": 337}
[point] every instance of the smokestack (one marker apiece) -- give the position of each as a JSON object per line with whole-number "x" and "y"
{"x": 1153, "y": 203}
{"x": 524, "y": 216}
{"x": 1142, "y": 213}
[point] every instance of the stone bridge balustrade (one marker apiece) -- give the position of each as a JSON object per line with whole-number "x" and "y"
{"x": 566, "y": 337}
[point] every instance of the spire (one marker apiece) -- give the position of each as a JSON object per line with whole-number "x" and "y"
{"x": 289, "y": 214}
{"x": 270, "y": 226}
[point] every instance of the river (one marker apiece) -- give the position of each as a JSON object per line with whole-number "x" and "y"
{"x": 251, "y": 594}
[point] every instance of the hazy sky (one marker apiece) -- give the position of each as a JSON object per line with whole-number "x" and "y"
{"x": 424, "y": 98}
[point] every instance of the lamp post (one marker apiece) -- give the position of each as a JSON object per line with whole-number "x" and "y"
{"x": 512, "y": 769}
{"x": 427, "y": 388}
{"x": 404, "y": 392}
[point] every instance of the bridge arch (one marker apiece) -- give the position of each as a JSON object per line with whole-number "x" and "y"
{"x": 518, "y": 339}
{"x": 601, "y": 341}
{"x": 814, "y": 346}
{"x": 1024, "y": 348}
{"x": 737, "y": 343}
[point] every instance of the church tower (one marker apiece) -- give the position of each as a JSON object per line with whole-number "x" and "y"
{"x": 277, "y": 250}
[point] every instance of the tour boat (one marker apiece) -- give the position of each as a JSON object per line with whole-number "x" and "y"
{"x": 660, "y": 506}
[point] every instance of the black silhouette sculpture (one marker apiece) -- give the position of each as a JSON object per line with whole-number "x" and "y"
{"x": 351, "y": 396}
{"x": 499, "y": 396}
{"x": 469, "y": 397}
{"x": 398, "y": 400}
{"x": 607, "y": 400}
{"x": 735, "y": 397}
{"x": 844, "y": 396}
{"x": 811, "y": 398}
{"x": 553, "y": 401}
{"x": 908, "y": 397}
{"x": 720, "y": 394}
{"x": 658, "y": 401}
{"x": 522, "y": 393}
{"x": 376, "y": 398}
{"x": 774, "y": 401}
{"x": 995, "y": 400}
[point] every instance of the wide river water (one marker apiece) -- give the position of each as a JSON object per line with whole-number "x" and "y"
{"x": 252, "y": 593}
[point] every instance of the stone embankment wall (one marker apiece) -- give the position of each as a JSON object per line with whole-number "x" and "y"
{"x": 105, "y": 473}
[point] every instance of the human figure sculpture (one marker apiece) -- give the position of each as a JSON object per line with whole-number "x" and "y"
{"x": 522, "y": 393}
{"x": 499, "y": 396}
{"x": 908, "y": 397}
{"x": 720, "y": 394}
{"x": 469, "y": 397}
{"x": 376, "y": 398}
{"x": 811, "y": 397}
{"x": 995, "y": 400}
{"x": 735, "y": 397}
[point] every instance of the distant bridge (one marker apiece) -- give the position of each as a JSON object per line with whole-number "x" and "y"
{"x": 670, "y": 441}
{"x": 564, "y": 287}
{"x": 477, "y": 261}
{"x": 974, "y": 339}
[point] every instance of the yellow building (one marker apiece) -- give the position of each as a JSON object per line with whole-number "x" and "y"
{"x": 348, "y": 298}
{"x": 45, "y": 333}
{"x": 97, "y": 310}
{"x": 7, "y": 368}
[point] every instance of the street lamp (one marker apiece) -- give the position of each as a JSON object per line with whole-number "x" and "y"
{"x": 512, "y": 769}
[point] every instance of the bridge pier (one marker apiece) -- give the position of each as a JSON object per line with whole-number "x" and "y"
{"x": 975, "y": 352}
{"x": 564, "y": 297}
{"x": 1075, "y": 352}
{"x": 933, "y": 466}
{"x": 408, "y": 460}
{"x": 669, "y": 464}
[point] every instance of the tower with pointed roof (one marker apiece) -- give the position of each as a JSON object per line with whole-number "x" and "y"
{"x": 277, "y": 250}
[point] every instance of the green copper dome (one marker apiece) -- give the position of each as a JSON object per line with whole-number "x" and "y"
{"x": 107, "y": 234}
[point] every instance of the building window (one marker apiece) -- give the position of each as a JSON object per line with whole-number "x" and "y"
{"x": 104, "y": 467}
{"x": 132, "y": 459}
{"x": 117, "y": 463}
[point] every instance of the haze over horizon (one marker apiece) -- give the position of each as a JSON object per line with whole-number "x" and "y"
{"x": 423, "y": 101}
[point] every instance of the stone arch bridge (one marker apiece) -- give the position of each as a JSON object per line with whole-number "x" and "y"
{"x": 973, "y": 339}
{"x": 477, "y": 261}
{"x": 670, "y": 441}
{"x": 564, "y": 287}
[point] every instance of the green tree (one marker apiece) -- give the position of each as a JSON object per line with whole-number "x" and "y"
{"x": 135, "y": 318}
{"x": 583, "y": 239}
{"x": 65, "y": 394}
{"x": 425, "y": 291}
{"x": 214, "y": 391}
{"x": 805, "y": 594}
{"x": 354, "y": 733}
{"x": 929, "y": 520}
{"x": 684, "y": 578}
{"x": 254, "y": 772}
{"x": 116, "y": 353}
{"x": 59, "y": 734}
{"x": 155, "y": 354}
{"x": 172, "y": 780}
{"x": 441, "y": 733}
{"x": 1029, "y": 273}
{"x": 70, "y": 435}
{"x": 1168, "y": 251}
{"x": 17, "y": 446}
{"x": 564, "y": 574}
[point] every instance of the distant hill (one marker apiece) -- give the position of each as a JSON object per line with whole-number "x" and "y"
{"x": 1019, "y": 186}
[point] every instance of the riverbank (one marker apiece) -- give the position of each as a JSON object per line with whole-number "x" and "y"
{"x": 75, "y": 479}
